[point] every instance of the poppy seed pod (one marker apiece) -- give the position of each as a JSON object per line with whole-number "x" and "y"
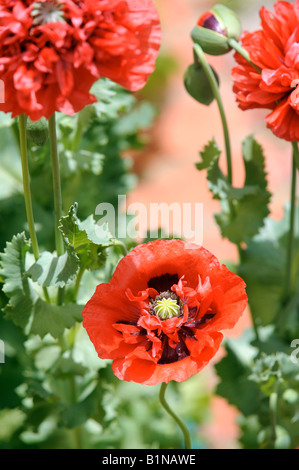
{"x": 37, "y": 131}
{"x": 214, "y": 28}
{"x": 198, "y": 85}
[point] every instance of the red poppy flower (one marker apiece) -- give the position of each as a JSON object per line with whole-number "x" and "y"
{"x": 160, "y": 316}
{"x": 51, "y": 52}
{"x": 275, "y": 50}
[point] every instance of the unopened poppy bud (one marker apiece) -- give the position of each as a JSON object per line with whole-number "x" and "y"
{"x": 37, "y": 131}
{"x": 214, "y": 29}
{"x": 198, "y": 85}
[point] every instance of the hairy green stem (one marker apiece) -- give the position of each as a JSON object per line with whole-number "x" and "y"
{"x": 27, "y": 191}
{"x": 215, "y": 88}
{"x": 78, "y": 281}
{"x": 273, "y": 413}
{"x": 56, "y": 184}
{"x": 57, "y": 193}
{"x": 122, "y": 246}
{"x": 180, "y": 423}
{"x": 26, "y": 185}
{"x": 289, "y": 287}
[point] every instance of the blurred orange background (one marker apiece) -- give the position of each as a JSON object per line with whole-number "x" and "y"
{"x": 167, "y": 170}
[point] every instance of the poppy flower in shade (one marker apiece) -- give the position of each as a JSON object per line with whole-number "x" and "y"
{"x": 274, "y": 49}
{"x": 51, "y": 52}
{"x": 160, "y": 316}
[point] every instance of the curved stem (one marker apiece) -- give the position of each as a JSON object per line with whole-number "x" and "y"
{"x": 180, "y": 423}
{"x": 122, "y": 246}
{"x": 291, "y": 242}
{"x": 238, "y": 48}
{"x": 214, "y": 85}
{"x": 27, "y": 191}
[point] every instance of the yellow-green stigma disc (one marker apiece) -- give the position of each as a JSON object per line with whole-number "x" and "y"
{"x": 167, "y": 308}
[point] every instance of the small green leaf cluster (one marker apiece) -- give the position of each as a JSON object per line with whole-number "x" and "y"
{"x": 243, "y": 209}
{"x": 91, "y": 145}
{"x": 264, "y": 386}
{"x": 54, "y": 390}
{"x": 257, "y": 374}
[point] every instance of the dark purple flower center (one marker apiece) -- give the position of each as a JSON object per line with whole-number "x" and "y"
{"x": 186, "y": 331}
{"x": 212, "y": 23}
{"x": 164, "y": 282}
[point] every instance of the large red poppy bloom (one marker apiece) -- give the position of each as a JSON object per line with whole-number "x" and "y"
{"x": 51, "y": 52}
{"x": 160, "y": 316}
{"x": 275, "y": 50}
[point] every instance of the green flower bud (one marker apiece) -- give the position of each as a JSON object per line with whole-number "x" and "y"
{"x": 37, "y": 131}
{"x": 214, "y": 29}
{"x": 198, "y": 85}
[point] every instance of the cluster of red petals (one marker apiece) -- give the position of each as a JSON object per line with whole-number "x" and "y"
{"x": 51, "y": 66}
{"x": 146, "y": 349}
{"x": 274, "y": 49}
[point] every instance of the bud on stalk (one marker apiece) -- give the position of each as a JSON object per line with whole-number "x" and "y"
{"x": 197, "y": 83}
{"x": 37, "y": 131}
{"x": 214, "y": 28}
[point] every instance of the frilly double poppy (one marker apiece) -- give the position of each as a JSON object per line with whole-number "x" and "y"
{"x": 274, "y": 49}
{"x": 161, "y": 315}
{"x": 51, "y": 52}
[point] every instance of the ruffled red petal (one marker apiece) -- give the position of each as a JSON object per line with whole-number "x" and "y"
{"x": 135, "y": 369}
{"x": 274, "y": 49}
{"x": 145, "y": 348}
{"x": 51, "y": 67}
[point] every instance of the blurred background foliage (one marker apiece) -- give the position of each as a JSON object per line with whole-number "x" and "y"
{"x": 55, "y": 392}
{"x": 53, "y": 395}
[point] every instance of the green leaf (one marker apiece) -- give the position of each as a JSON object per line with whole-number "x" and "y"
{"x": 87, "y": 238}
{"x": 50, "y": 270}
{"x": 275, "y": 370}
{"x": 209, "y": 155}
{"x": 5, "y": 119}
{"x": 83, "y": 161}
{"x": 66, "y": 367}
{"x": 90, "y": 407}
{"x": 53, "y": 319}
{"x": 233, "y": 371}
{"x": 263, "y": 269}
{"x": 112, "y": 99}
{"x": 140, "y": 118}
{"x": 16, "y": 284}
{"x": 243, "y": 209}
{"x": 10, "y": 422}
